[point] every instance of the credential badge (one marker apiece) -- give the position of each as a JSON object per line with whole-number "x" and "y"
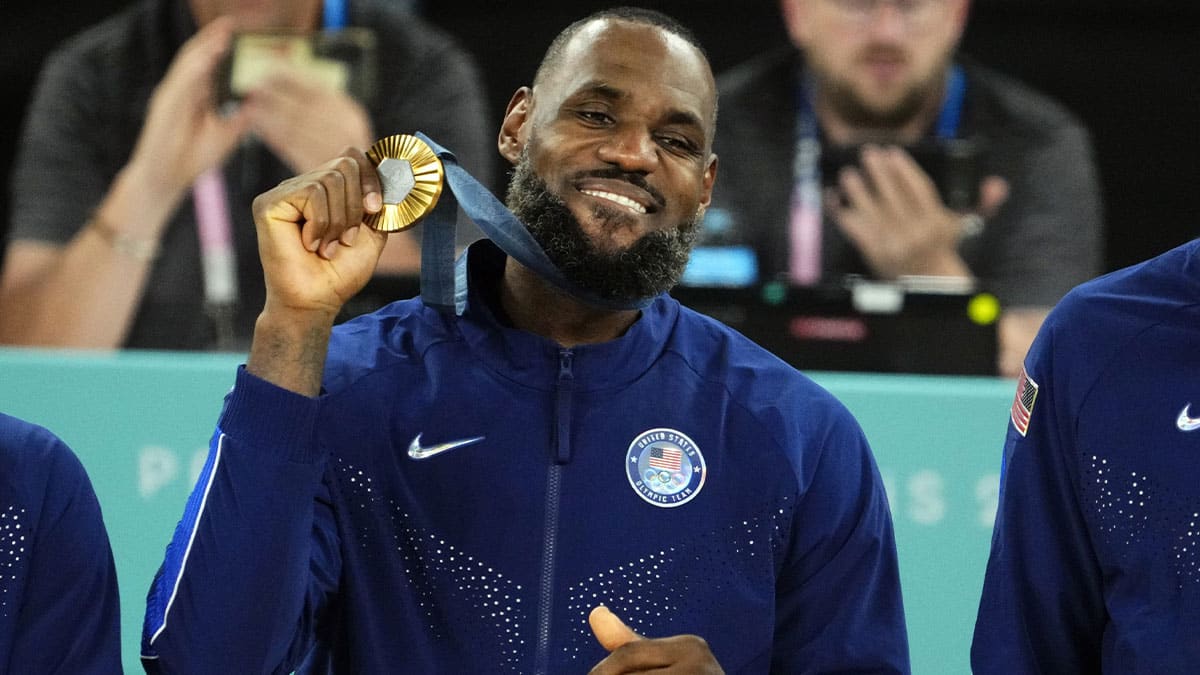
{"x": 665, "y": 467}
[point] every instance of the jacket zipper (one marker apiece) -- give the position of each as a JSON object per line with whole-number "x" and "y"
{"x": 562, "y": 455}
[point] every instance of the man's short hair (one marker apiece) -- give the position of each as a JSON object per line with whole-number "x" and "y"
{"x": 640, "y": 15}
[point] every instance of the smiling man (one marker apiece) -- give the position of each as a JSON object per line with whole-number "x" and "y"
{"x": 594, "y": 481}
{"x": 589, "y": 180}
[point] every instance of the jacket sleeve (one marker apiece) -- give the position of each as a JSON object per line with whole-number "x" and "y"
{"x": 838, "y": 600}
{"x": 69, "y": 620}
{"x": 1042, "y": 608}
{"x": 255, "y": 558}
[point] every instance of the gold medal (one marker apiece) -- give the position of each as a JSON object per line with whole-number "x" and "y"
{"x": 412, "y": 178}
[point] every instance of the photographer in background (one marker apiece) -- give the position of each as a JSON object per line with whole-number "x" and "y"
{"x": 874, "y": 80}
{"x": 131, "y": 191}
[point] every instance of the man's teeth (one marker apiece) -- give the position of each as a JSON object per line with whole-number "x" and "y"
{"x": 618, "y": 199}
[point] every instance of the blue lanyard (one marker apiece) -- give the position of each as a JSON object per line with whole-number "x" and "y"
{"x": 334, "y": 14}
{"x": 443, "y": 283}
{"x": 951, "y": 115}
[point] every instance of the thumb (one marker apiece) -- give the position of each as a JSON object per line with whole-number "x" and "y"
{"x": 610, "y": 631}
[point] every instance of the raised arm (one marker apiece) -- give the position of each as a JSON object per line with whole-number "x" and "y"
{"x": 316, "y": 255}
{"x": 254, "y": 561}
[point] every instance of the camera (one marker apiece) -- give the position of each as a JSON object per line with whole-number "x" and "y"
{"x": 955, "y": 165}
{"x": 342, "y": 59}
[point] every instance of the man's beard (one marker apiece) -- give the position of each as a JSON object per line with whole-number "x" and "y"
{"x": 650, "y": 266}
{"x": 859, "y": 113}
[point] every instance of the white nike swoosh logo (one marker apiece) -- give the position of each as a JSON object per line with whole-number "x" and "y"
{"x": 416, "y": 451}
{"x": 1186, "y": 423}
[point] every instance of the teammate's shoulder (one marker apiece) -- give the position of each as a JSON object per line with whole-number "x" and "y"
{"x": 1102, "y": 319}
{"x": 1145, "y": 293}
{"x": 32, "y": 457}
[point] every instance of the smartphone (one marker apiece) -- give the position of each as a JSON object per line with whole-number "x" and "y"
{"x": 955, "y": 165}
{"x": 343, "y": 59}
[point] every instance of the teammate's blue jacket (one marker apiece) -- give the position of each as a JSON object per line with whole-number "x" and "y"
{"x": 1095, "y": 563}
{"x": 59, "y": 606}
{"x": 464, "y": 493}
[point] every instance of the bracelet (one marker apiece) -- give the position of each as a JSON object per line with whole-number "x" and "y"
{"x": 137, "y": 248}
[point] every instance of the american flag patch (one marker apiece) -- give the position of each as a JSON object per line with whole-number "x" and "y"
{"x": 1022, "y": 407}
{"x": 665, "y": 458}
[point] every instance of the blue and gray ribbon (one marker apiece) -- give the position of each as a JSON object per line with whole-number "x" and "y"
{"x": 443, "y": 283}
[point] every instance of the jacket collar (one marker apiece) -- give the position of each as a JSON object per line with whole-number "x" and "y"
{"x": 533, "y": 360}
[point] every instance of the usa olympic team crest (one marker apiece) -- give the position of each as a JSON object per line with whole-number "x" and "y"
{"x": 665, "y": 467}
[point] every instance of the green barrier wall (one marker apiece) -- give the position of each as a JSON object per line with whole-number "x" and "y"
{"x": 140, "y": 422}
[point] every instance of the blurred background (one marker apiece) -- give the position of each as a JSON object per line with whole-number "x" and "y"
{"x": 1129, "y": 68}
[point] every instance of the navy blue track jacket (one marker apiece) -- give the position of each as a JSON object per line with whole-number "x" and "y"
{"x": 464, "y": 493}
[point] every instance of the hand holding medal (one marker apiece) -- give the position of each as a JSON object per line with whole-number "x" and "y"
{"x": 392, "y": 186}
{"x": 413, "y": 170}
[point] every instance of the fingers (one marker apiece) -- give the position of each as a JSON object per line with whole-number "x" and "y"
{"x": 895, "y": 182}
{"x": 288, "y": 84}
{"x": 279, "y": 101}
{"x": 346, "y": 182}
{"x": 859, "y": 196}
{"x": 328, "y": 204}
{"x": 678, "y": 654}
{"x": 880, "y": 168}
{"x": 366, "y": 200}
{"x": 632, "y": 653}
{"x": 369, "y": 182}
{"x": 338, "y": 184}
{"x": 914, "y": 187}
{"x": 857, "y": 228}
{"x": 609, "y": 630}
{"x": 191, "y": 73}
{"x": 305, "y": 122}
{"x": 183, "y": 135}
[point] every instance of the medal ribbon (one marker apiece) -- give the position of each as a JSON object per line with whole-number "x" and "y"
{"x": 443, "y": 283}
